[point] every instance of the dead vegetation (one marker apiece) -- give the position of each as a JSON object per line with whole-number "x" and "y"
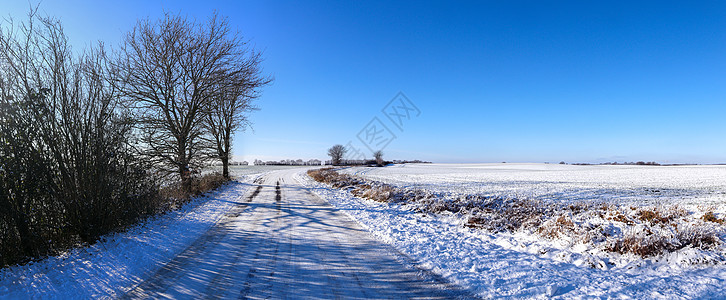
{"x": 649, "y": 243}
{"x": 175, "y": 195}
{"x": 661, "y": 216}
{"x": 555, "y": 228}
{"x": 644, "y": 231}
{"x": 710, "y": 217}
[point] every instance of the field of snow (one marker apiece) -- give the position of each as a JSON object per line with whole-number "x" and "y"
{"x": 631, "y": 185}
{"x": 523, "y": 263}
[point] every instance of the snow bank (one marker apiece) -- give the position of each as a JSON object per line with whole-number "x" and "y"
{"x": 122, "y": 260}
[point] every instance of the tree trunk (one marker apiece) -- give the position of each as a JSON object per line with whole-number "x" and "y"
{"x": 186, "y": 179}
{"x": 225, "y": 154}
{"x": 26, "y": 237}
{"x": 184, "y": 172}
{"x": 225, "y": 167}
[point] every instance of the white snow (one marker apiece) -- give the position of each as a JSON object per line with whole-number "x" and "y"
{"x": 626, "y": 184}
{"x": 523, "y": 266}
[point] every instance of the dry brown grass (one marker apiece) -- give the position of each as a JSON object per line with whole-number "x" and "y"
{"x": 556, "y": 228}
{"x": 643, "y": 245}
{"x": 321, "y": 175}
{"x": 648, "y": 243}
{"x": 661, "y": 216}
{"x": 207, "y": 183}
{"x": 711, "y": 217}
{"x": 620, "y": 217}
{"x": 176, "y": 196}
{"x": 360, "y": 188}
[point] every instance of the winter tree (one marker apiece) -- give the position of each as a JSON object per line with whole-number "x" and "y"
{"x": 378, "y": 155}
{"x": 231, "y": 102}
{"x": 170, "y": 70}
{"x": 336, "y": 153}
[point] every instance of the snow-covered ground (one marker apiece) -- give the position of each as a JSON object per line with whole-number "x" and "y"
{"x": 120, "y": 261}
{"x": 514, "y": 265}
{"x": 632, "y": 185}
{"x": 522, "y": 265}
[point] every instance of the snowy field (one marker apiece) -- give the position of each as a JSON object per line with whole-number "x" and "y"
{"x": 631, "y": 185}
{"x": 522, "y": 264}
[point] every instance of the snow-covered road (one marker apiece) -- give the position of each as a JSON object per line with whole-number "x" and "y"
{"x": 281, "y": 241}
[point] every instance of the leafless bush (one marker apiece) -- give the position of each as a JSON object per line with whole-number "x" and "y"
{"x": 378, "y": 156}
{"x": 68, "y": 173}
{"x": 208, "y": 182}
{"x": 508, "y": 215}
{"x": 337, "y": 180}
{"x": 380, "y": 193}
{"x": 71, "y": 126}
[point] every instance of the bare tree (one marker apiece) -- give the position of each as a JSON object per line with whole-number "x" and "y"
{"x": 378, "y": 155}
{"x": 336, "y": 153}
{"x": 170, "y": 70}
{"x": 232, "y": 102}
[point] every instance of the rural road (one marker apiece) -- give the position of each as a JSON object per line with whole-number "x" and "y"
{"x": 282, "y": 241}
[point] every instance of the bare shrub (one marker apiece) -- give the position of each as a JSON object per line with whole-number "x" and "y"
{"x": 698, "y": 237}
{"x": 381, "y": 193}
{"x": 69, "y": 173}
{"x": 378, "y": 155}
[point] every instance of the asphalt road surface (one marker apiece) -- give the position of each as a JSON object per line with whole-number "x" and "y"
{"x": 283, "y": 242}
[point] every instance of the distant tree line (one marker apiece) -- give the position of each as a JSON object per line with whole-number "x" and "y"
{"x": 89, "y": 141}
{"x": 337, "y": 158}
{"x": 639, "y": 163}
{"x": 288, "y": 162}
{"x": 232, "y": 163}
{"x": 374, "y": 162}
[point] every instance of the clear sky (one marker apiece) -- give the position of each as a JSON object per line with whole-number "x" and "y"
{"x": 515, "y": 81}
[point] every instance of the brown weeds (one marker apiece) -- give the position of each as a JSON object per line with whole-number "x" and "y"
{"x": 710, "y": 217}
{"x": 556, "y": 228}
{"x": 175, "y": 195}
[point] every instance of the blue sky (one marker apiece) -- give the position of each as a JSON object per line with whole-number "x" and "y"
{"x": 515, "y": 81}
